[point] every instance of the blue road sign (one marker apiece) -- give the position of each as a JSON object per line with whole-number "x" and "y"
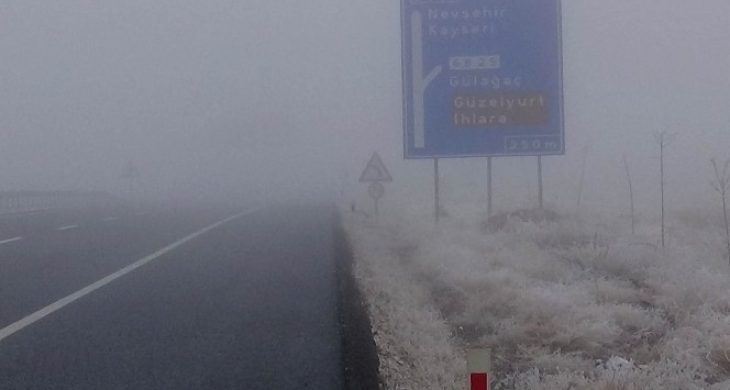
{"x": 482, "y": 78}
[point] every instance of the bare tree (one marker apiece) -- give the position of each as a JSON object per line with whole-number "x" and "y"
{"x": 663, "y": 139}
{"x": 631, "y": 195}
{"x": 721, "y": 184}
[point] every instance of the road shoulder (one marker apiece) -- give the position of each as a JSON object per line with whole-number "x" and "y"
{"x": 360, "y": 357}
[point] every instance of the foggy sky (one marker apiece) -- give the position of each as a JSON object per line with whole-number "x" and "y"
{"x": 289, "y": 96}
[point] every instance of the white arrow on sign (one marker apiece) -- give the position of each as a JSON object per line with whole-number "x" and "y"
{"x": 420, "y": 83}
{"x": 375, "y": 171}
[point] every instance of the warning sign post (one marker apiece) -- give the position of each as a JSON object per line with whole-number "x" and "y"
{"x": 376, "y": 173}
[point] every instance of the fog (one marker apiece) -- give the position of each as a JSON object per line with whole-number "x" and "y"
{"x": 257, "y": 98}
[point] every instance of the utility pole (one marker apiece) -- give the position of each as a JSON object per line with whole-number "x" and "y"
{"x": 663, "y": 139}
{"x": 631, "y": 195}
{"x": 661, "y": 170}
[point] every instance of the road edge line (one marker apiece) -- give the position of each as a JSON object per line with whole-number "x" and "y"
{"x": 360, "y": 360}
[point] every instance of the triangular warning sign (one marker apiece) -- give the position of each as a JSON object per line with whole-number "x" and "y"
{"x": 375, "y": 171}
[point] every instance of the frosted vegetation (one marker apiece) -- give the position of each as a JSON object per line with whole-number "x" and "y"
{"x": 566, "y": 302}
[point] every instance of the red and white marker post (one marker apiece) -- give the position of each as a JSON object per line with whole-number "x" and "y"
{"x": 478, "y": 364}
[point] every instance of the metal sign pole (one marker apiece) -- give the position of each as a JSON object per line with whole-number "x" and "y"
{"x": 376, "y": 174}
{"x": 376, "y": 191}
{"x": 377, "y": 211}
{"x": 539, "y": 181}
{"x": 489, "y": 187}
{"x": 436, "y": 198}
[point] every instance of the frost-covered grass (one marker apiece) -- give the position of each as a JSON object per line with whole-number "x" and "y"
{"x": 414, "y": 343}
{"x": 567, "y": 303}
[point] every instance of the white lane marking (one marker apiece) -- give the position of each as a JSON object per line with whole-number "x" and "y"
{"x": 5, "y": 214}
{"x": 8, "y": 241}
{"x": 63, "y": 302}
{"x": 67, "y": 227}
{"x": 109, "y": 219}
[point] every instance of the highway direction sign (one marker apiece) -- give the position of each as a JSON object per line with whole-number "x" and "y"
{"x": 482, "y": 78}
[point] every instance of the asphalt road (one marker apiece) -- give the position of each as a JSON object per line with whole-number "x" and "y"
{"x": 239, "y": 301}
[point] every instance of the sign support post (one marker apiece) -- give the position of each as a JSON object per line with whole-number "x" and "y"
{"x": 489, "y": 187}
{"x": 376, "y": 174}
{"x": 436, "y": 194}
{"x": 377, "y": 210}
{"x": 539, "y": 182}
{"x": 376, "y": 191}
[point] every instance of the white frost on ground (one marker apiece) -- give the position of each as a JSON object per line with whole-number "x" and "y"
{"x": 565, "y": 304}
{"x": 414, "y": 343}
